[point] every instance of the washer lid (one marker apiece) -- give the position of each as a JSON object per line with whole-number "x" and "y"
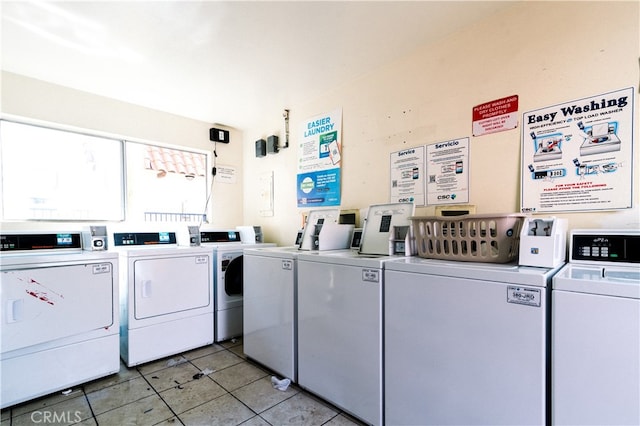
{"x": 510, "y": 273}
{"x": 286, "y": 252}
{"x": 621, "y": 281}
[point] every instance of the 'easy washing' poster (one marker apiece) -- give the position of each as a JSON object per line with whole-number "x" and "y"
{"x": 578, "y": 156}
{"x": 319, "y": 156}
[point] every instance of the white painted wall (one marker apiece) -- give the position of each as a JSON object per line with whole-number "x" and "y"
{"x": 38, "y": 100}
{"x": 545, "y": 52}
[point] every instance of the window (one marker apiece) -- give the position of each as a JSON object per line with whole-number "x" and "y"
{"x": 53, "y": 174}
{"x": 50, "y": 174}
{"x": 166, "y": 184}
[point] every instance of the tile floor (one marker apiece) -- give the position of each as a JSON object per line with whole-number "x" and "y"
{"x": 170, "y": 392}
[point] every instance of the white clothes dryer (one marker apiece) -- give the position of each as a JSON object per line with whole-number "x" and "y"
{"x": 59, "y": 314}
{"x": 466, "y": 343}
{"x": 596, "y": 330}
{"x": 166, "y": 296}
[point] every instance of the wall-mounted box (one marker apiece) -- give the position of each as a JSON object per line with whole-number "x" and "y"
{"x": 261, "y": 148}
{"x": 218, "y": 135}
{"x": 272, "y": 144}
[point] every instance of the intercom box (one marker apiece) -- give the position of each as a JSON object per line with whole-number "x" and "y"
{"x": 218, "y": 135}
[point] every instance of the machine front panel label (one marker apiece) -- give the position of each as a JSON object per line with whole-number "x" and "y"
{"x": 202, "y": 260}
{"x": 524, "y": 296}
{"x": 287, "y": 264}
{"x": 103, "y": 268}
{"x": 371, "y": 275}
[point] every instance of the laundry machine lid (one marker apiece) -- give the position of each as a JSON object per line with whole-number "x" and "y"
{"x": 285, "y": 252}
{"x": 609, "y": 280}
{"x": 510, "y": 273}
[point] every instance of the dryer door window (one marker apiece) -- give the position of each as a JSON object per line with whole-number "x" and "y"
{"x": 233, "y": 277}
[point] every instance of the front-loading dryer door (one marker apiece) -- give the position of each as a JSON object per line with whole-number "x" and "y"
{"x": 167, "y": 285}
{"x": 234, "y": 277}
{"x": 44, "y": 304}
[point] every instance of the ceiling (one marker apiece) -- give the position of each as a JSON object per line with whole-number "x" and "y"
{"x": 224, "y": 62}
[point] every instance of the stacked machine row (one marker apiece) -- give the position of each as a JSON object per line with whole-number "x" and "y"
{"x": 473, "y": 319}
{"x": 71, "y": 308}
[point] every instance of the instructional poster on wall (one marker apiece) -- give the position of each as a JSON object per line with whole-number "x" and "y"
{"x": 319, "y": 156}
{"x": 578, "y": 156}
{"x": 448, "y": 172}
{"x": 407, "y": 176}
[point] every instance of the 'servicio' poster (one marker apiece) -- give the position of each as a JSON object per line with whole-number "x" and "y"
{"x": 448, "y": 172}
{"x": 578, "y": 156}
{"x": 319, "y": 156}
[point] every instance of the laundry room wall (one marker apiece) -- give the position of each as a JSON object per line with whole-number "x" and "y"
{"x": 544, "y": 52}
{"x": 57, "y": 105}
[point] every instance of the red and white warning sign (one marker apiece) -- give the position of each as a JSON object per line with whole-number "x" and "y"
{"x": 495, "y": 116}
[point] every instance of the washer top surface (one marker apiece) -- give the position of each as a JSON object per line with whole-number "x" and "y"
{"x": 285, "y": 252}
{"x": 349, "y": 258}
{"x": 235, "y": 247}
{"x": 498, "y": 272}
{"x": 609, "y": 280}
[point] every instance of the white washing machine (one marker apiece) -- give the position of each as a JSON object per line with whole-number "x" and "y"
{"x": 228, "y": 278}
{"x": 270, "y": 310}
{"x": 466, "y": 343}
{"x": 166, "y": 296}
{"x": 59, "y": 314}
{"x": 270, "y": 291}
{"x": 340, "y": 317}
{"x": 596, "y": 330}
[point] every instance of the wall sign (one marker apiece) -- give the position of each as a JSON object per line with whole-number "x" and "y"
{"x": 578, "y": 156}
{"x": 448, "y": 172}
{"x": 495, "y": 116}
{"x": 407, "y": 176}
{"x": 319, "y": 157}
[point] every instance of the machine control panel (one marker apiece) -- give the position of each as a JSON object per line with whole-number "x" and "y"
{"x": 606, "y": 247}
{"x": 49, "y": 241}
{"x": 143, "y": 238}
{"x": 219, "y": 237}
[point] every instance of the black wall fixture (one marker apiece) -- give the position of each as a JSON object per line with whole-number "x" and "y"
{"x": 218, "y": 135}
{"x": 261, "y": 148}
{"x": 272, "y": 144}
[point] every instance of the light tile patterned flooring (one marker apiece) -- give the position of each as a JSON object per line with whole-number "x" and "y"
{"x": 170, "y": 392}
